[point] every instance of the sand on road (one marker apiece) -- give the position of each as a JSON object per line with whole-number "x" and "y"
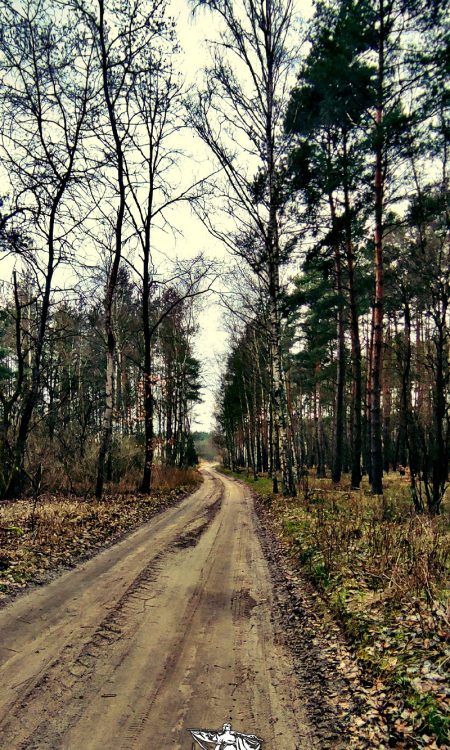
{"x": 170, "y": 628}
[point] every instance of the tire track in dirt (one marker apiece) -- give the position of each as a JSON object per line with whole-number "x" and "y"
{"x": 75, "y": 661}
{"x": 67, "y": 675}
{"x": 221, "y": 669}
{"x": 183, "y": 632}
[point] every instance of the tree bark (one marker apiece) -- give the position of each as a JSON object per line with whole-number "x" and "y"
{"x": 356, "y": 408}
{"x": 439, "y": 453}
{"x": 320, "y": 453}
{"x": 148, "y": 392}
{"x": 387, "y": 401}
{"x": 273, "y": 255}
{"x": 368, "y": 397}
{"x": 338, "y": 436}
{"x": 406, "y": 413}
{"x": 105, "y": 440}
{"x": 376, "y": 447}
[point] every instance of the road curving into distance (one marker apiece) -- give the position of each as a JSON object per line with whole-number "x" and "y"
{"x": 170, "y": 628}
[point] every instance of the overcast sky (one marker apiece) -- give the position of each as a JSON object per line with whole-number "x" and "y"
{"x": 191, "y": 237}
{"x": 212, "y": 338}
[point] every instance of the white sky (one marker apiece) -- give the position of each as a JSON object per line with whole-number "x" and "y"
{"x": 193, "y": 238}
{"x": 211, "y": 343}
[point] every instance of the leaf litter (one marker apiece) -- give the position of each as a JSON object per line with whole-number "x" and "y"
{"x": 376, "y": 610}
{"x": 39, "y": 537}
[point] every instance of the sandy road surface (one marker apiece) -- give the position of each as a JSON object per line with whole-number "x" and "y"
{"x": 169, "y": 629}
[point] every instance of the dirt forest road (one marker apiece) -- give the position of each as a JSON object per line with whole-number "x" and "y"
{"x": 170, "y": 628}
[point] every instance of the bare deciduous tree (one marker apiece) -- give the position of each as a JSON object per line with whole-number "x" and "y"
{"x": 46, "y": 66}
{"x": 239, "y": 116}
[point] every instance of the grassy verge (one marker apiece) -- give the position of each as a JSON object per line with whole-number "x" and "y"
{"x": 39, "y": 535}
{"x": 262, "y": 485}
{"x": 383, "y": 572}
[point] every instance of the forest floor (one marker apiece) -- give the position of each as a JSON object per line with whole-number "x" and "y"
{"x": 41, "y": 535}
{"x": 382, "y": 574}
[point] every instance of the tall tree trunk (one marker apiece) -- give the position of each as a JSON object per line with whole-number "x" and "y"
{"x": 148, "y": 392}
{"x": 280, "y": 407}
{"x": 272, "y": 427}
{"x": 368, "y": 398}
{"x": 320, "y": 452}
{"x": 256, "y": 424}
{"x": 273, "y": 256}
{"x": 439, "y": 453}
{"x": 265, "y": 436}
{"x": 105, "y": 440}
{"x": 290, "y": 421}
{"x": 404, "y": 365}
{"x": 420, "y": 369}
{"x": 377, "y": 354}
{"x": 355, "y": 424}
{"x": 257, "y": 408}
{"x": 250, "y": 432}
{"x": 338, "y": 436}
{"x": 387, "y": 401}
{"x": 338, "y": 446}
{"x": 406, "y": 410}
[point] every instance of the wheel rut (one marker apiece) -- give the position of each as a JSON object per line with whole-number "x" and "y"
{"x": 178, "y": 632}
{"x": 110, "y": 644}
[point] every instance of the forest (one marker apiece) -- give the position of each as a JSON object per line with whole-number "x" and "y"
{"x": 98, "y": 373}
{"x": 341, "y": 363}
{"x": 310, "y": 143}
{"x": 335, "y": 204}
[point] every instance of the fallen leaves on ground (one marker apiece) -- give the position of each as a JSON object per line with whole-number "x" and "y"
{"x": 38, "y": 536}
{"x": 385, "y": 582}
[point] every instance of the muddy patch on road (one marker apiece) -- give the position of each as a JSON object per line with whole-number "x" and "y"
{"x": 242, "y": 604}
{"x": 191, "y": 535}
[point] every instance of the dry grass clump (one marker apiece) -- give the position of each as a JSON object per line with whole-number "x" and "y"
{"x": 170, "y": 477}
{"x": 348, "y": 537}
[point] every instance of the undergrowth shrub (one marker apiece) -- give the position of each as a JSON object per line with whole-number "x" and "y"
{"x": 171, "y": 477}
{"x": 55, "y": 468}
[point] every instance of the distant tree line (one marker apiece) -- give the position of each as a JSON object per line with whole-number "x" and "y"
{"x": 205, "y": 446}
{"x": 364, "y": 331}
{"x": 62, "y": 447}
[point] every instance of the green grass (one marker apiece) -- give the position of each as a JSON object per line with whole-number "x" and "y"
{"x": 434, "y": 721}
{"x": 263, "y": 486}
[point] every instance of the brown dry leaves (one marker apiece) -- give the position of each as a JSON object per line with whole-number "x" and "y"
{"x": 385, "y": 580}
{"x": 38, "y": 537}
